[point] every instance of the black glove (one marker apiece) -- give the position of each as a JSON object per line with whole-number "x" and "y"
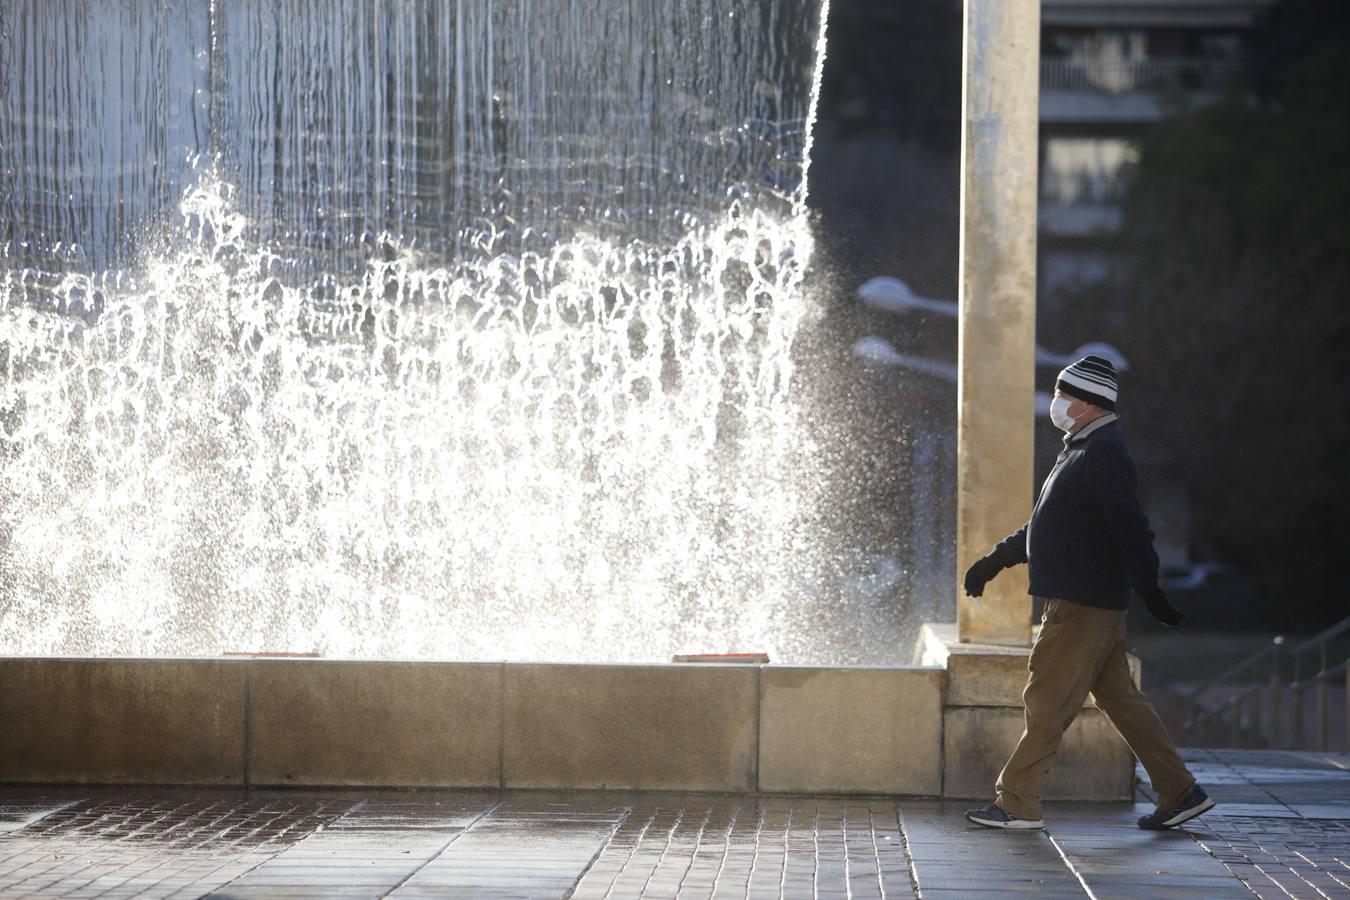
{"x": 980, "y": 573}
{"x": 1155, "y": 599}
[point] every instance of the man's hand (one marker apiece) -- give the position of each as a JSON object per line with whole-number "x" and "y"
{"x": 980, "y": 573}
{"x": 1157, "y": 602}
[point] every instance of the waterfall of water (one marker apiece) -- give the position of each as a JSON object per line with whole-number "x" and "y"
{"x": 418, "y": 328}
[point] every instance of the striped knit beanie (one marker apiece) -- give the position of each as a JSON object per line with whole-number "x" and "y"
{"x": 1093, "y": 379}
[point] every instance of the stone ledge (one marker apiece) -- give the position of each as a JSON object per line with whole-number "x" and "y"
{"x": 401, "y": 724}
{"x": 1093, "y": 763}
{"x": 660, "y": 727}
{"x": 981, "y": 674}
{"x": 314, "y": 722}
{"x": 983, "y": 718}
{"x": 122, "y": 721}
{"x": 864, "y": 729}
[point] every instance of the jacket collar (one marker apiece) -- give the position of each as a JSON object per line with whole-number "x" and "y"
{"x": 1083, "y": 433}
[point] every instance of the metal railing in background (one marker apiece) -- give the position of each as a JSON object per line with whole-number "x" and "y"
{"x": 1123, "y": 76}
{"x": 1262, "y": 701}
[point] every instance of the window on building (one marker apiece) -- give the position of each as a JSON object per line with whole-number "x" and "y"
{"x": 1097, "y": 46}
{"x": 1102, "y": 60}
{"x": 1086, "y": 171}
{"x": 1117, "y": 61}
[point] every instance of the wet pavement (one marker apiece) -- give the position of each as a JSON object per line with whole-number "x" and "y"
{"x": 1282, "y": 830}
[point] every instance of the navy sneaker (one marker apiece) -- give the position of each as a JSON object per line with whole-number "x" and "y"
{"x": 1193, "y": 804}
{"x": 995, "y": 816}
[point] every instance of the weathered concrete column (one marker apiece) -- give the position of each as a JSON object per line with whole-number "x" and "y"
{"x": 995, "y": 390}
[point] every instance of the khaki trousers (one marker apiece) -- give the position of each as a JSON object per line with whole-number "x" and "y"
{"x": 1081, "y": 649}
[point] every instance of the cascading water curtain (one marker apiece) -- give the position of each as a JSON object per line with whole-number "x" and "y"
{"x": 414, "y": 328}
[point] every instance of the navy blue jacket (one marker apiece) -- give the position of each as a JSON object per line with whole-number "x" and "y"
{"x": 1088, "y": 540}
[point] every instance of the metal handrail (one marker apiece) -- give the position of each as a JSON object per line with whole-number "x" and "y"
{"x": 1312, "y": 680}
{"x": 1250, "y": 662}
{"x": 1231, "y": 709}
{"x": 1284, "y": 725}
{"x": 1209, "y": 714}
{"x": 1323, "y": 636}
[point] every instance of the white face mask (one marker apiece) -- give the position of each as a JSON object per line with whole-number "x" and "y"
{"x": 1059, "y": 414}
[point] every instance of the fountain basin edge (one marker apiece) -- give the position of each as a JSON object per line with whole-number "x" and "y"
{"x": 263, "y": 722}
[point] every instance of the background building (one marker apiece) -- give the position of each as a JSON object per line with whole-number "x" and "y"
{"x": 1109, "y": 71}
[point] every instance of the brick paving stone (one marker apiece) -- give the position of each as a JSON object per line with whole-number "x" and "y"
{"x": 952, "y": 857}
{"x": 528, "y": 845}
{"x": 1280, "y": 857}
{"x": 1114, "y": 858}
{"x": 1282, "y": 826}
{"x": 753, "y": 847}
{"x": 20, "y": 812}
{"x": 127, "y": 844}
{"x": 592, "y": 845}
{"x": 370, "y": 850}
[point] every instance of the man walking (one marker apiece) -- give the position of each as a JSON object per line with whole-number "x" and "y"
{"x": 1087, "y": 543}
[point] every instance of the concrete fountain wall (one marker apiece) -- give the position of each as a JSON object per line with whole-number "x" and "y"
{"x": 307, "y": 722}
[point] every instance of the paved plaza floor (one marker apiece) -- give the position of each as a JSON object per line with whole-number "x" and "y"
{"x": 1282, "y": 830}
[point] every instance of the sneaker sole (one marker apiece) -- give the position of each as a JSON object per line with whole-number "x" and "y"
{"x": 1018, "y": 824}
{"x": 1189, "y": 814}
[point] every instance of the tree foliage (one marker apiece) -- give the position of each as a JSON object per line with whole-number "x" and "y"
{"x": 1237, "y": 302}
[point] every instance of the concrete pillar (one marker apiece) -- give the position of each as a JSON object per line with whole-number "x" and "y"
{"x": 996, "y": 356}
